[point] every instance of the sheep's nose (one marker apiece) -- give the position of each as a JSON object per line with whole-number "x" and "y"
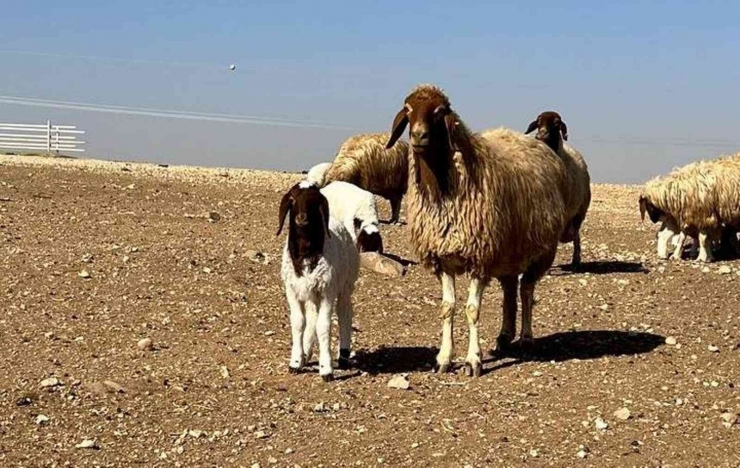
{"x": 301, "y": 219}
{"x": 420, "y": 135}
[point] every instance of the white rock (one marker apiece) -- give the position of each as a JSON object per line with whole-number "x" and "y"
{"x": 399, "y": 382}
{"x": 671, "y": 341}
{"x": 225, "y": 372}
{"x": 623, "y": 414}
{"x": 600, "y": 424}
{"x": 84, "y": 274}
{"x": 50, "y": 382}
{"x": 145, "y": 344}
{"x": 713, "y": 348}
{"x": 42, "y": 419}
{"x": 87, "y": 444}
{"x": 724, "y": 270}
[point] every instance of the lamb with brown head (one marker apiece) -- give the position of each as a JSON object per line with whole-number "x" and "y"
{"x": 491, "y": 207}
{"x": 319, "y": 268}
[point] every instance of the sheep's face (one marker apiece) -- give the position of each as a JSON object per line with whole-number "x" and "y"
{"x": 550, "y": 128}
{"x": 430, "y": 119}
{"x": 369, "y": 240}
{"x": 308, "y": 212}
{"x": 655, "y": 213}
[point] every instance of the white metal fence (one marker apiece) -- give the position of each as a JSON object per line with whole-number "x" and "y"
{"x": 41, "y": 138}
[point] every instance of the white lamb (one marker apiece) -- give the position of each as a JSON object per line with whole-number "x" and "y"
{"x": 356, "y": 209}
{"x": 319, "y": 268}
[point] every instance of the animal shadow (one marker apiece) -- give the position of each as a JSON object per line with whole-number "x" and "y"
{"x": 404, "y": 262}
{"x": 395, "y": 359}
{"x": 583, "y": 345}
{"x": 605, "y": 267}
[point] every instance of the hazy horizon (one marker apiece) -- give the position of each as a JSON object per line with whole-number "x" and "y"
{"x": 642, "y": 88}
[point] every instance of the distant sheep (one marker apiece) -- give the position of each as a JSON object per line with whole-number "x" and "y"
{"x": 356, "y": 209}
{"x": 320, "y": 265}
{"x": 363, "y": 160}
{"x": 551, "y": 130}
{"x": 490, "y": 207}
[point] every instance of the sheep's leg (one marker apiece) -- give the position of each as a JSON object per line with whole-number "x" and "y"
{"x": 344, "y": 312}
{"x": 678, "y": 252}
{"x": 473, "y": 364}
{"x": 444, "y": 357}
{"x": 297, "y": 325}
{"x": 665, "y": 235}
{"x": 529, "y": 280}
{"x": 309, "y": 334}
{"x": 323, "y": 333}
{"x": 577, "y": 248}
{"x": 510, "y": 285}
{"x": 705, "y": 247}
{"x": 395, "y": 210}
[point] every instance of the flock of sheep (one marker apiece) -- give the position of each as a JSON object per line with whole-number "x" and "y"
{"x": 493, "y": 204}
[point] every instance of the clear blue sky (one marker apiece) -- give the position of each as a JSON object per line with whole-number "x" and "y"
{"x": 643, "y": 86}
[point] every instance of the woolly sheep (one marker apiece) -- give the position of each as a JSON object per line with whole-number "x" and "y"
{"x": 552, "y": 130}
{"x": 356, "y": 209}
{"x": 363, "y": 160}
{"x": 482, "y": 206}
{"x": 320, "y": 265}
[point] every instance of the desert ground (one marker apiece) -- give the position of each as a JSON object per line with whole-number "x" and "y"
{"x": 635, "y": 361}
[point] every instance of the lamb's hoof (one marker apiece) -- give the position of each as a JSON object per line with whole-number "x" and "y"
{"x": 294, "y": 370}
{"x": 327, "y": 378}
{"x": 441, "y": 368}
{"x": 473, "y": 369}
{"x": 343, "y": 363}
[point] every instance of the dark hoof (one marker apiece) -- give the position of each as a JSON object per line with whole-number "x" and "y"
{"x": 293, "y": 370}
{"x": 473, "y": 370}
{"x": 503, "y": 344}
{"x": 327, "y": 378}
{"x": 525, "y": 344}
{"x": 441, "y": 368}
{"x": 343, "y": 363}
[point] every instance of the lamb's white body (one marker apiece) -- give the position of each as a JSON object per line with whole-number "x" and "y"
{"x": 317, "y": 173}
{"x": 348, "y": 202}
{"x": 313, "y": 296}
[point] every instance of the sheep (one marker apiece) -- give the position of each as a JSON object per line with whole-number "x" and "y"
{"x": 356, "y": 209}
{"x": 699, "y": 199}
{"x": 363, "y": 160}
{"x": 320, "y": 265}
{"x": 490, "y": 207}
{"x": 552, "y": 130}
{"x": 317, "y": 173}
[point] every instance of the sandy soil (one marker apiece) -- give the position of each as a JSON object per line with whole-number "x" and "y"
{"x": 96, "y": 256}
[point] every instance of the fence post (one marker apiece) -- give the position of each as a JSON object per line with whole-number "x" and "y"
{"x": 48, "y": 137}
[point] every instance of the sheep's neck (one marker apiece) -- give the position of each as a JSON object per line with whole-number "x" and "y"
{"x": 305, "y": 247}
{"x": 553, "y": 141}
{"x": 434, "y": 174}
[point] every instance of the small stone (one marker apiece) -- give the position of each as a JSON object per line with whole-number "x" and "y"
{"x": 582, "y": 282}
{"x": 272, "y": 460}
{"x": 537, "y": 373}
{"x": 115, "y": 387}
{"x": 623, "y": 414}
{"x": 336, "y": 407}
{"x": 225, "y": 372}
{"x": 600, "y": 424}
{"x": 269, "y": 333}
{"x": 713, "y": 349}
{"x": 206, "y": 270}
{"x": 534, "y": 453}
{"x": 582, "y": 452}
{"x": 319, "y": 407}
{"x": 84, "y": 274}
{"x": 399, "y": 382}
{"x": 51, "y": 382}
{"x": 42, "y": 419}
{"x": 724, "y": 270}
{"x": 214, "y": 217}
{"x": 261, "y": 435}
{"x": 728, "y": 419}
{"x": 255, "y": 465}
{"x": 87, "y": 444}
{"x": 705, "y": 270}
{"x": 670, "y": 341}
{"x": 415, "y": 445}
{"x": 195, "y": 434}
{"x": 254, "y": 256}
{"x": 87, "y": 258}
{"x": 604, "y": 307}
{"x": 145, "y": 344}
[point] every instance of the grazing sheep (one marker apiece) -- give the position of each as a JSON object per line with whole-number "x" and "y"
{"x": 491, "y": 207}
{"x": 356, "y": 209}
{"x": 319, "y": 268}
{"x": 363, "y": 160}
{"x": 317, "y": 173}
{"x": 551, "y": 130}
{"x": 701, "y": 198}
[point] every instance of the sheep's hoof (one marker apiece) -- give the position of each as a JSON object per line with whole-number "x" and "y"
{"x": 343, "y": 363}
{"x": 441, "y": 368}
{"x": 473, "y": 369}
{"x": 503, "y": 344}
{"x": 327, "y": 378}
{"x": 293, "y": 370}
{"x": 526, "y": 343}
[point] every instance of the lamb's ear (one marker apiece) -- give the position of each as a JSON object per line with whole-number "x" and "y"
{"x": 451, "y": 125}
{"x": 285, "y": 205}
{"x": 643, "y": 207}
{"x": 324, "y": 211}
{"x": 399, "y": 125}
{"x": 564, "y": 130}
{"x": 532, "y": 127}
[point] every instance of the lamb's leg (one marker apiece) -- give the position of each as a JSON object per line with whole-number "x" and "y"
{"x": 323, "y": 333}
{"x": 529, "y": 279}
{"x": 577, "y": 249}
{"x": 664, "y": 237}
{"x": 509, "y": 284}
{"x": 444, "y": 357}
{"x": 309, "y": 334}
{"x": 297, "y": 326}
{"x": 705, "y": 247}
{"x": 678, "y": 252}
{"x": 344, "y": 312}
{"x": 395, "y": 210}
{"x": 473, "y": 364}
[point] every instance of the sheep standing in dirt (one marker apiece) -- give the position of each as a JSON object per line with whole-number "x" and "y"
{"x": 363, "y": 160}
{"x": 551, "y": 130}
{"x": 356, "y": 209}
{"x": 701, "y": 199}
{"x": 319, "y": 268}
{"x": 491, "y": 207}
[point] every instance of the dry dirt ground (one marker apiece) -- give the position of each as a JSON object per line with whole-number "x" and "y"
{"x": 95, "y": 257}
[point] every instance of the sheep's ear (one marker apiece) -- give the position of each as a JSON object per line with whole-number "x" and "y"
{"x": 643, "y": 207}
{"x": 399, "y": 125}
{"x": 451, "y": 125}
{"x": 532, "y": 127}
{"x": 285, "y": 206}
{"x": 564, "y": 130}
{"x": 324, "y": 211}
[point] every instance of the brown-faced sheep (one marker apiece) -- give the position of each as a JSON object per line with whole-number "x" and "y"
{"x": 364, "y": 160}
{"x": 490, "y": 207}
{"x": 551, "y": 130}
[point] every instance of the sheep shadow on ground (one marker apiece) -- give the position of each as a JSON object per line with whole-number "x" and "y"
{"x": 403, "y": 261}
{"x": 395, "y": 359}
{"x": 603, "y": 267}
{"x": 582, "y": 345}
